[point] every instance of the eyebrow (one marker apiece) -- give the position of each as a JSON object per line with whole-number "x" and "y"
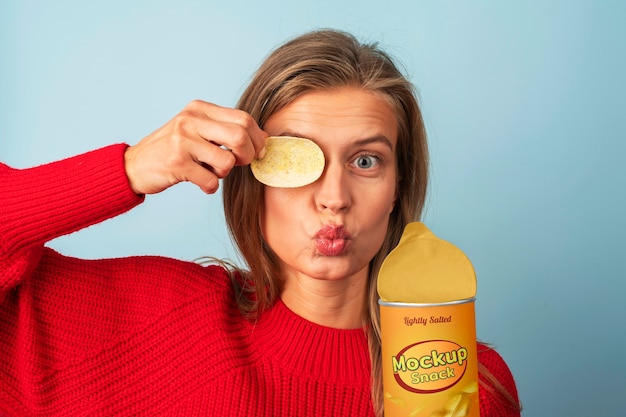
{"x": 361, "y": 142}
{"x": 376, "y": 139}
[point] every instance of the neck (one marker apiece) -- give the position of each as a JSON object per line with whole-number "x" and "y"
{"x": 337, "y": 304}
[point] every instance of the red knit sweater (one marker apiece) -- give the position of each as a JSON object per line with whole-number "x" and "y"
{"x": 151, "y": 335}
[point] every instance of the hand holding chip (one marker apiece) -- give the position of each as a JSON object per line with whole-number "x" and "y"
{"x": 200, "y": 145}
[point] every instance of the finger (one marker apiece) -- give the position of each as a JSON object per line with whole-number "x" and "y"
{"x": 227, "y": 137}
{"x": 214, "y": 158}
{"x": 239, "y": 129}
{"x": 202, "y": 177}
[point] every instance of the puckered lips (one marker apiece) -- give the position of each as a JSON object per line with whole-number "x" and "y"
{"x": 332, "y": 240}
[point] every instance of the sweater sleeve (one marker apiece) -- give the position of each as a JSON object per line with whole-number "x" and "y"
{"x": 498, "y": 393}
{"x": 41, "y": 203}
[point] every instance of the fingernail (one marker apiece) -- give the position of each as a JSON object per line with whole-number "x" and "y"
{"x": 261, "y": 153}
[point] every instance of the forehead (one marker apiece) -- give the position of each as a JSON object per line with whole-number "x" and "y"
{"x": 348, "y": 113}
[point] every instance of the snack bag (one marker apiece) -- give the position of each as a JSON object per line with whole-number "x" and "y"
{"x": 427, "y": 288}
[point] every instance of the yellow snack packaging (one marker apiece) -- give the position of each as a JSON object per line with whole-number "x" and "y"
{"x": 427, "y": 289}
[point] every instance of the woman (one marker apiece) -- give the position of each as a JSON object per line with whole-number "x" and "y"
{"x": 297, "y": 332}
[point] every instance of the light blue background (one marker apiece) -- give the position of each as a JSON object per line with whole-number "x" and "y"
{"x": 524, "y": 104}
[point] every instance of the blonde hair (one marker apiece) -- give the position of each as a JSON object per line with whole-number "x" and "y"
{"x": 322, "y": 60}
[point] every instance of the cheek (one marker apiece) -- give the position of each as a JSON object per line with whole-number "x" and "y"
{"x": 392, "y": 204}
{"x": 390, "y": 193}
{"x": 278, "y": 212}
{"x": 394, "y": 196}
{"x": 377, "y": 211}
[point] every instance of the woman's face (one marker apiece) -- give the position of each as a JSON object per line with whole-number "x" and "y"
{"x": 332, "y": 228}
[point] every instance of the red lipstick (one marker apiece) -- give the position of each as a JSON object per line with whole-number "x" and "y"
{"x": 331, "y": 240}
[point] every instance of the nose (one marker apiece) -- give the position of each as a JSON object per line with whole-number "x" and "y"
{"x": 333, "y": 191}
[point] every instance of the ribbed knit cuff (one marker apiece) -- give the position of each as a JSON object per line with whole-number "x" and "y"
{"x": 44, "y": 202}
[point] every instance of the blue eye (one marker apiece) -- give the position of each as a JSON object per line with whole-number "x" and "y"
{"x": 366, "y": 161}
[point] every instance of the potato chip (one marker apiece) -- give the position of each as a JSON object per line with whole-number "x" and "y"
{"x": 425, "y": 269}
{"x": 289, "y": 162}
